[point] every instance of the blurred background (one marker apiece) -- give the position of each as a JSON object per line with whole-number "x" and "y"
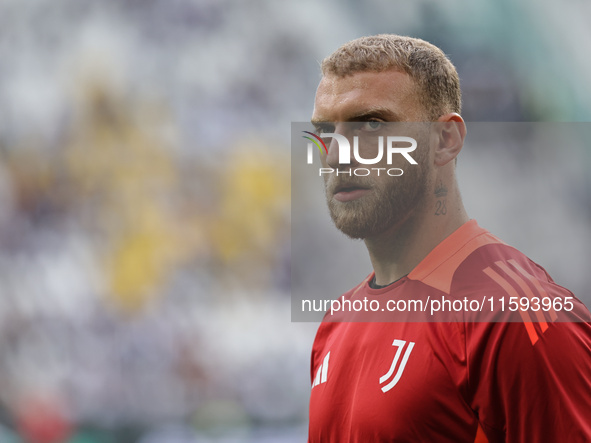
{"x": 145, "y": 218}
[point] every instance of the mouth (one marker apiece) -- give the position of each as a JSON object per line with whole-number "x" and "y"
{"x": 345, "y": 193}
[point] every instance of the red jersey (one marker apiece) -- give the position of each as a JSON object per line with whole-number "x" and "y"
{"x": 462, "y": 379}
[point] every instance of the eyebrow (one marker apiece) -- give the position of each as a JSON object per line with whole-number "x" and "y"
{"x": 378, "y": 113}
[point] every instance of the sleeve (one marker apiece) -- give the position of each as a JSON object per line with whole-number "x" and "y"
{"x": 531, "y": 383}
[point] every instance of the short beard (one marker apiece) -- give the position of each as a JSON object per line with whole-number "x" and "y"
{"x": 388, "y": 204}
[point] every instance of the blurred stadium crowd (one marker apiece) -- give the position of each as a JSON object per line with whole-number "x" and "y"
{"x": 141, "y": 275}
{"x": 116, "y": 259}
{"x": 145, "y": 207}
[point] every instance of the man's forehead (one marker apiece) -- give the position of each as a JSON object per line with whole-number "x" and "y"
{"x": 344, "y": 98}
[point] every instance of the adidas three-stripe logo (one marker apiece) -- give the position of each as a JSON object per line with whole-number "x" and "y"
{"x": 322, "y": 373}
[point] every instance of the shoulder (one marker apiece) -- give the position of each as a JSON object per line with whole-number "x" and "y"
{"x": 440, "y": 267}
{"x": 533, "y": 336}
{"x": 497, "y": 267}
{"x": 473, "y": 260}
{"x": 514, "y": 280}
{"x": 474, "y": 265}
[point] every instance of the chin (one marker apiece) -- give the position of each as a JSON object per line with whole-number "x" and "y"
{"x": 363, "y": 223}
{"x": 355, "y": 226}
{"x": 353, "y": 234}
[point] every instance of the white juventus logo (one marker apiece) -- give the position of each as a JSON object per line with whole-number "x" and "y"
{"x": 322, "y": 374}
{"x": 384, "y": 378}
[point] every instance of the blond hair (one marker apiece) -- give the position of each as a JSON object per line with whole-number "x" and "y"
{"x": 426, "y": 64}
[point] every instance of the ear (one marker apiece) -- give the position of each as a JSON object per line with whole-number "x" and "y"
{"x": 450, "y": 131}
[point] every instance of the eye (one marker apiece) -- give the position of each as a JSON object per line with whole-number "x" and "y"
{"x": 323, "y": 129}
{"x": 371, "y": 126}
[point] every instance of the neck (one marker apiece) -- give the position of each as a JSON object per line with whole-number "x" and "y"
{"x": 397, "y": 251}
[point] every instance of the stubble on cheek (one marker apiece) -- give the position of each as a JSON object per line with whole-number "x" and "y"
{"x": 366, "y": 216}
{"x": 389, "y": 202}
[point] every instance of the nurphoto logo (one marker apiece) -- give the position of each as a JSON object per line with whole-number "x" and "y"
{"x": 345, "y": 153}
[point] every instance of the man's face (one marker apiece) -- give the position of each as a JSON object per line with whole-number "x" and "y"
{"x": 365, "y": 206}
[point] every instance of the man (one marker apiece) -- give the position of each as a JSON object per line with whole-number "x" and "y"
{"x": 468, "y": 377}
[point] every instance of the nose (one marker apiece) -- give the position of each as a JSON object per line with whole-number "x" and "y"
{"x": 332, "y": 157}
{"x": 338, "y": 145}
